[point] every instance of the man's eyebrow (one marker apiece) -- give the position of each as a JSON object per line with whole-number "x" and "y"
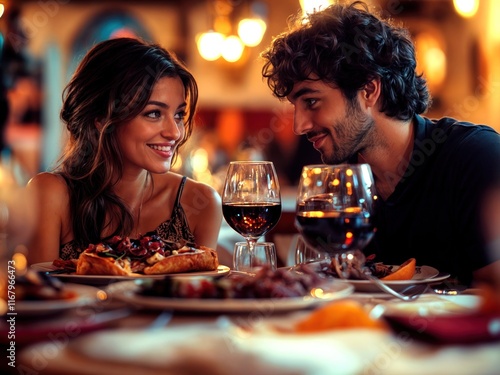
{"x": 303, "y": 91}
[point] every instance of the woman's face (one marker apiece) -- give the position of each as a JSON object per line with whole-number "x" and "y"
{"x": 149, "y": 140}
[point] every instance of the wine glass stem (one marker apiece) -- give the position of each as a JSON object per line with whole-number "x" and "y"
{"x": 251, "y": 246}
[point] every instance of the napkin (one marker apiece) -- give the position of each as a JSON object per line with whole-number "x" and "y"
{"x": 451, "y": 329}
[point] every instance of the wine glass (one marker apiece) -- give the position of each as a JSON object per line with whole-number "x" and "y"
{"x": 251, "y": 200}
{"x": 335, "y": 209}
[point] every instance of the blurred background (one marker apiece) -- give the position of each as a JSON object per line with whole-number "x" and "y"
{"x": 458, "y": 46}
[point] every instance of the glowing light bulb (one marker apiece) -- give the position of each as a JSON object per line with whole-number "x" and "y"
{"x": 251, "y": 31}
{"x": 466, "y": 8}
{"x": 232, "y": 48}
{"x": 209, "y": 45}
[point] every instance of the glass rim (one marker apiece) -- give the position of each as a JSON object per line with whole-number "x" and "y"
{"x": 262, "y": 243}
{"x": 251, "y": 162}
{"x": 328, "y": 166}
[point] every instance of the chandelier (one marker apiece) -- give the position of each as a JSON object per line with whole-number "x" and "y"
{"x": 236, "y": 26}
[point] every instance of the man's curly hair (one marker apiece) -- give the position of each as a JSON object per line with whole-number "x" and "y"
{"x": 347, "y": 46}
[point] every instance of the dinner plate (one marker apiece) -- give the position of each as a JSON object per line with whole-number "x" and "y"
{"x": 423, "y": 275}
{"x": 65, "y": 325}
{"x": 433, "y": 305}
{"x": 84, "y": 295}
{"x": 107, "y": 279}
{"x": 127, "y": 291}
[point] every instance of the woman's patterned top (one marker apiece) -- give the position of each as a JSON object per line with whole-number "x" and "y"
{"x": 174, "y": 229}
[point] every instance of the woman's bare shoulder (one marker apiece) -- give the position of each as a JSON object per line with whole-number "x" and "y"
{"x": 48, "y": 183}
{"x": 174, "y": 179}
{"x": 202, "y": 188}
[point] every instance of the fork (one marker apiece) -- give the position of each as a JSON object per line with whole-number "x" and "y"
{"x": 410, "y": 293}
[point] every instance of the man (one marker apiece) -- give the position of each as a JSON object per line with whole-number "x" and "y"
{"x": 357, "y": 97}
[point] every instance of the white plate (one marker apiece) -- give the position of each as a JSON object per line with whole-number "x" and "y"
{"x": 85, "y": 295}
{"x": 107, "y": 279}
{"x": 423, "y": 275}
{"x": 126, "y": 291}
{"x": 432, "y": 305}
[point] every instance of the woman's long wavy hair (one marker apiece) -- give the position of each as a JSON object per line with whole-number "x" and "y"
{"x": 111, "y": 86}
{"x": 347, "y": 46}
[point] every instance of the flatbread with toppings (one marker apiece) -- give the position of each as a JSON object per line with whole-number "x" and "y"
{"x": 149, "y": 255}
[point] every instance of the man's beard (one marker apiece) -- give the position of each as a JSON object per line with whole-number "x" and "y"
{"x": 352, "y": 131}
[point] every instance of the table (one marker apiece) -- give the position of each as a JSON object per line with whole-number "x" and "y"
{"x": 212, "y": 343}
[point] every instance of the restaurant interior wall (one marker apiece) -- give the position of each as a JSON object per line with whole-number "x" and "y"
{"x": 470, "y": 89}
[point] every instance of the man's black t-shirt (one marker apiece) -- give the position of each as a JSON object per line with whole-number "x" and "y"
{"x": 435, "y": 212}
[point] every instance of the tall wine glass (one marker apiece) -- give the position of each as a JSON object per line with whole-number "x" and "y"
{"x": 251, "y": 200}
{"x": 335, "y": 209}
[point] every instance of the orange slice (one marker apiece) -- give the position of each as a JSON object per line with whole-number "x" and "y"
{"x": 338, "y": 315}
{"x": 404, "y": 272}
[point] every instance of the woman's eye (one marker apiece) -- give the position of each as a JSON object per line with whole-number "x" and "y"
{"x": 153, "y": 114}
{"x": 179, "y": 116}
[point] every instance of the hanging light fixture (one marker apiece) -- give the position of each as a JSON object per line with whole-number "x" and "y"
{"x": 221, "y": 42}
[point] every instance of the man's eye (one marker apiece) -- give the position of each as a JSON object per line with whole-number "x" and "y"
{"x": 311, "y": 102}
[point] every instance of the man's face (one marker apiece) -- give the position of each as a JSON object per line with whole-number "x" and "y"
{"x": 337, "y": 128}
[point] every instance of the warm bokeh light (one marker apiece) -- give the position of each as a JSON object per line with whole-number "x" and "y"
{"x": 466, "y": 8}
{"x": 348, "y": 185}
{"x": 199, "y": 160}
{"x": 232, "y": 48}
{"x": 2, "y": 9}
{"x": 3, "y": 306}
{"x": 251, "y": 31}
{"x": 210, "y": 44}
{"x": 20, "y": 261}
{"x": 102, "y": 295}
{"x": 311, "y": 6}
{"x": 318, "y": 293}
{"x": 431, "y": 59}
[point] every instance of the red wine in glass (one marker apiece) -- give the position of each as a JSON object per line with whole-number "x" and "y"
{"x": 336, "y": 231}
{"x": 252, "y": 219}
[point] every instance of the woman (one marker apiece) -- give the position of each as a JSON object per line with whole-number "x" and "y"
{"x": 128, "y": 108}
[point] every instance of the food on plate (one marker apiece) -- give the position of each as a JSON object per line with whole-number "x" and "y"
{"x": 149, "y": 255}
{"x": 36, "y": 286}
{"x": 338, "y": 315}
{"x": 264, "y": 284}
{"x": 404, "y": 272}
